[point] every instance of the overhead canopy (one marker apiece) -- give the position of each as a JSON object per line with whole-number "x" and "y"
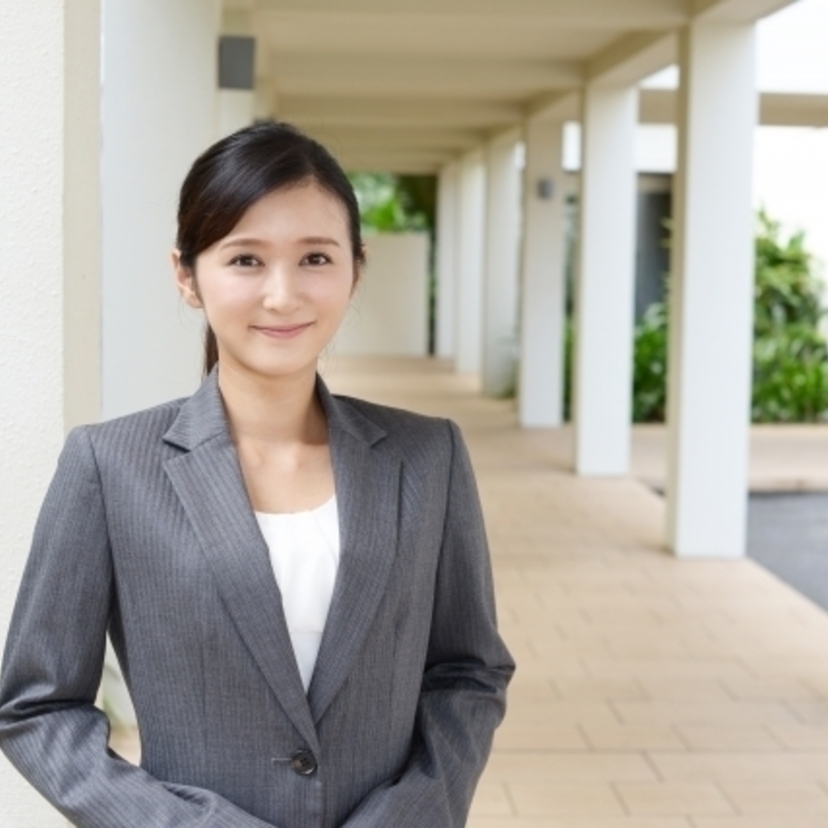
{"x": 409, "y": 85}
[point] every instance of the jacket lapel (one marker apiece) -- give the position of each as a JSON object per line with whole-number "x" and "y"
{"x": 208, "y": 481}
{"x": 367, "y": 483}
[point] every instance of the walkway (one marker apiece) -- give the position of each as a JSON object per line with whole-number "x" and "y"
{"x": 650, "y": 693}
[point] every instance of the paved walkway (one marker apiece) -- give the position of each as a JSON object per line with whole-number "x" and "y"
{"x": 782, "y": 457}
{"x": 650, "y": 693}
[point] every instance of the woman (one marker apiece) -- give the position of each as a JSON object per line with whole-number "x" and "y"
{"x": 296, "y": 585}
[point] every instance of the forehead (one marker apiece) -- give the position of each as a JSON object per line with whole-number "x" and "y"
{"x": 305, "y": 209}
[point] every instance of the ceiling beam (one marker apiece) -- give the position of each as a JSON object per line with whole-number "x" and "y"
{"x": 736, "y": 11}
{"x": 395, "y": 161}
{"x": 793, "y": 110}
{"x": 558, "y": 106}
{"x": 332, "y": 112}
{"x": 298, "y": 74}
{"x": 371, "y": 139}
{"x": 660, "y": 106}
{"x": 632, "y": 58}
{"x": 576, "y": 13}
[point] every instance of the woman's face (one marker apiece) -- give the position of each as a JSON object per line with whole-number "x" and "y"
{"x": 277, "y": 287}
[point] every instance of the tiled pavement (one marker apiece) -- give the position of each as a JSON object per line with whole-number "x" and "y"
{"x": 650, "y": 693}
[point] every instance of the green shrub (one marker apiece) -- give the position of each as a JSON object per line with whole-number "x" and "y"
{"x": 650, "y": 366}
{"x": 392, "y": 204}
{"x": 790, "y": 355}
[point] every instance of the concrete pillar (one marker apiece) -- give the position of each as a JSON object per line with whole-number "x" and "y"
{"x": 469, "y": 297}
{"x": 606, "y": 282}
{"x": 49, "y": 302}
{"x": 502, "y": 240}
{"x": 160, "y": 70}
{"x": 543, "y": 294}
{"x": 711, "y": 314}
{"x": 447, "y": 243}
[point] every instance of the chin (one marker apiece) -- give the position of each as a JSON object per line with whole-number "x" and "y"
{"x": 270, "y": 365}
{"x": 279, "y": 370}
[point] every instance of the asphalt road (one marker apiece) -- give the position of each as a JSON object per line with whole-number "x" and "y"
{"x": 788, "y": 534}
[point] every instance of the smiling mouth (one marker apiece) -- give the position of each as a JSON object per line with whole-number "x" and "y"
{"x": 282, "y": 331}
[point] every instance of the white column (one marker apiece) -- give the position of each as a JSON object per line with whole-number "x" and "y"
{"x": 711, "y": 311}
{"x": 502, "y": 240}
{"x": 606, "y": 282}
{"x": 543, "y": 294}
{"x": 469, "y": 298}
{"x": 447, "y": 242}
{"x": 49, "y": 298}
{"x": 160, "y": 70}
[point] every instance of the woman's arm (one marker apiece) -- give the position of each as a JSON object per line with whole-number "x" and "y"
{"x": 49, "y": 727}
{"x": 463, "y": 693}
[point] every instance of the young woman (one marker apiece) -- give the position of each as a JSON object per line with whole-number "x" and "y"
{"x": 297, "y": 585}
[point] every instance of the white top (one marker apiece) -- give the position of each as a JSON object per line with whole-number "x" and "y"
{"x": 304, "y": 553}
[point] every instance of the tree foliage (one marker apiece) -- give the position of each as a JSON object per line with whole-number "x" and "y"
{"x": 392, "y": 204}
{"x": 790, "y": 355}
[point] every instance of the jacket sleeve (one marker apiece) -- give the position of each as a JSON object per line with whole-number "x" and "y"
{"x": 463, "y": 694}
{"x": 50, "y": 728}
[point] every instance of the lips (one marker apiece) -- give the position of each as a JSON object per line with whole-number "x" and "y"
{"x": 282, "y": 331}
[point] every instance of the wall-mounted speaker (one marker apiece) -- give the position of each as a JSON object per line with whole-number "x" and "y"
{"x": 237, "y": 56}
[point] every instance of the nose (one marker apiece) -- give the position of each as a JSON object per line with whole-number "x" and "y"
{"x": 282, "y": 292}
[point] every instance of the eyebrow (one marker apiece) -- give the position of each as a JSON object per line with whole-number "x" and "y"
{"x": 320, "y": 240}
{"x": 250, "y": 242}
{"x": 242, "y": 243}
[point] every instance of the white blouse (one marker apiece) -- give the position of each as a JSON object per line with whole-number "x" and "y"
{"x": 304, "y": 553}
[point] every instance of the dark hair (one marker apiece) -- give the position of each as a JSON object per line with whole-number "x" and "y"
{"x": 234, "y": 173}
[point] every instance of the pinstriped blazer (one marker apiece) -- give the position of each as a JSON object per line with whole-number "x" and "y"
{"x": 147, "y": 532}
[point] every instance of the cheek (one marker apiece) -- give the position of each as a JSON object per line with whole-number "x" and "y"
{"x": 224, "y": 298}
{"x": 337, "y": 301}
{"x": 334, "y": 294}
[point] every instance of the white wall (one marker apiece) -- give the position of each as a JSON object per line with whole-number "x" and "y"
{"x": 235, "y": 110}
{"x": 389, "y": 313}
{"x": 48, "y": 359}
{"x": 160, "y": 66}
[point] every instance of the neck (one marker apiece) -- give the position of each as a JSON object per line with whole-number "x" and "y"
{"x": 271, "y": 409}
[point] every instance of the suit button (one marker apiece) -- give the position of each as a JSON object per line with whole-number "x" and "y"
{"x": 304, "y": 763}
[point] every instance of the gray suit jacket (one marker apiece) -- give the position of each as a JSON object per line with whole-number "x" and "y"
{"x": 147, "y": 532}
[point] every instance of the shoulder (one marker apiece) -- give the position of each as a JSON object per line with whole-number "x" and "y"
{"x": 390, "y": 418}
{"x": 138, "y": 431}
{"x": 408, "y": 431}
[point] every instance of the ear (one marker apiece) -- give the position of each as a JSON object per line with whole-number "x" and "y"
{"x": 185, "y": 281}
{"x": 359, "y": 267}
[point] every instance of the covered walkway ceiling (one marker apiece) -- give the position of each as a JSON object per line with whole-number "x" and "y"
{"x": 408, "y": 85}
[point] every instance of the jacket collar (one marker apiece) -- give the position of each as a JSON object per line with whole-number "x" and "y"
{"x": 202, "y": 416}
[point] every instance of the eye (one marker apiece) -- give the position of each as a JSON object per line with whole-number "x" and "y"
{"x": 245, "y": 260}
{"x": 315, "y": 259}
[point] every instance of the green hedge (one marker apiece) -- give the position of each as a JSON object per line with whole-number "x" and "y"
{"x": 790, "y": 356}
